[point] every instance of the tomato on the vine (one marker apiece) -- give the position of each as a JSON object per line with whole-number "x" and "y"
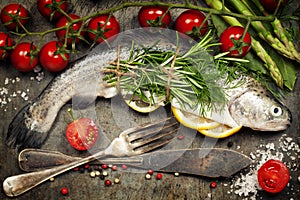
{"x": 23, "y": 57}
{"x": 273, "y": 176}
{"x": 13, "y": 16}
{"x": 53, "y": 57}
{"x": 5, "y": 43}
{"x": 191, "y": 23}
{"x": 271, "y": 5}
{"x": 103, "y": 27}
{"x": 51, "y": 8}
{"x": 73, "y": 31}
{"x": 231, "y": 40}
{"x": 154, "y": 16}
{"x": 82, "y": 133}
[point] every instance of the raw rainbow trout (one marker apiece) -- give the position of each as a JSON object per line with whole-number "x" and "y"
{"x": 250, "y": 105}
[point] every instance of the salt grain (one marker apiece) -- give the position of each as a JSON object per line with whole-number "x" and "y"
{"x": 8, "y": 94}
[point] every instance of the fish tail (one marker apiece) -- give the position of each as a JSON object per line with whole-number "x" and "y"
{"x": 20, "y": 134}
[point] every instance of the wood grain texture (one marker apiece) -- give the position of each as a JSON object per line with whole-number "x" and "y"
{"x": 112, "y": 121}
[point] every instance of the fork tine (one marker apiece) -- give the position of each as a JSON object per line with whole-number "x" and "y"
{"x": 147, "y": 125}
{"x": 157, "y": 136}
{"x": 152, "y": 146}
{"x": 154, "y": 128}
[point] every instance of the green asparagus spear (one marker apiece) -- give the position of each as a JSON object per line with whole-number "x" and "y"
{"x": 263, "y": 32}
{"x": 279, "y": 31}
{"x": 256, "y": 46}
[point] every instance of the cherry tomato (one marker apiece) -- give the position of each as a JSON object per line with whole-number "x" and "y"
{"x": 82, "y": 133}
{"x": 231, "y": 41}
{"x": 191, "y": 23}
{"x": 103, "y": 27}
{"x": 271, "y": 5}
{"x": 49, "y": 8}
{"x": 53, "y": 57}
{"x": 154, "y": 16}
{"x": 23, "y": 58}
{"x": 12, "y": 15}
{"x": 73, "y": 31}
{"x": 5, "y": 42}
{"x": 273, "y": 176}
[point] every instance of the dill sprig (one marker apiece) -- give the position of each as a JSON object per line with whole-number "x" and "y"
{"x": 154, "y": 75}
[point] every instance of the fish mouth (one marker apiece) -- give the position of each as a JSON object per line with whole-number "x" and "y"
{"x": 276, "y": 125}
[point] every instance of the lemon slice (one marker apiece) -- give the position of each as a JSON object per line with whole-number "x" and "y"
{"x": 141, "y": 106}
{"x": 193, "y": 121}
{"x": 220, "y": 131}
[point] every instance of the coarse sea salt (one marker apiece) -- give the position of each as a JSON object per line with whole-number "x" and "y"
{"x": 8, "y": 93}
{"x": 246, "y": 185}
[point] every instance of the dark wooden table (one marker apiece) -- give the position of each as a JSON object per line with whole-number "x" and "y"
{"x": 17, "y": 89}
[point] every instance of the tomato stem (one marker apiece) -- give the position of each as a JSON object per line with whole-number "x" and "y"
{"x": 71, "y": 113}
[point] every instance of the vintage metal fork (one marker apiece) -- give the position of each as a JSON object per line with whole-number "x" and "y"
{"x": 133, "y": 141}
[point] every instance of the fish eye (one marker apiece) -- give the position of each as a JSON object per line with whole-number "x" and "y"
{"x": 275, "y": 111}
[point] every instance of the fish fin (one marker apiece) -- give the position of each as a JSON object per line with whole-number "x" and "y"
{"x": 20, "y": 136}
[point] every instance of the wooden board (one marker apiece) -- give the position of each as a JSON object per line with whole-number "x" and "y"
{"x": 20, "y": 88}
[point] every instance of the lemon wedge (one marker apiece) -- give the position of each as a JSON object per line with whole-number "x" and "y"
{"x": 220, "y": 131}
{"x": 193, "y": 121}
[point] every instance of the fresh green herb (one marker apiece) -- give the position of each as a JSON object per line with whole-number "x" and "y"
{"x": 192, "y": 77}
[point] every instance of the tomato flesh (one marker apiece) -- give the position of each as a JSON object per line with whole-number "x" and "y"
{"x": 21, "y": 59}
{"x": 154, "y": 16}
{"x": 191, "y": 23}
{"x": 103, "y": 27}
{"x": 273, "y": 176}
{"x": 230, "y": 40}
{"x": 82, "y": 133}
{"x": 11, "y": 13}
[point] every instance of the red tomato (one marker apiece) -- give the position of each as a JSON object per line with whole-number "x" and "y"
{"x": 49, "y": 8}
{"x": 191, "y": 23}
{"x": 154, "y": 16}
{"x": 12, "y": 15}
{"x": 73, "y": 31}
{"x": 271, "y": 5}
{"x": 103, "y": 27}
{"x": 52, "y": 57}
{"x": 23, "y": 58}
{"x": 231, "y": 41}
{"x": 5, "y": 42}
{"x": 273, "y": 176}
{"x": 82, "y": 133}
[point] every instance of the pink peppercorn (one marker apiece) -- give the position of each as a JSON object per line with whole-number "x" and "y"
{"x": 107, "y": 182}
{"x": 180, "y": 137}
{"x": 104, "y": 166}
{"x": 64, "y": 191}
{"x": 213, "y": 184}
{"x": 124, "y": 167}
{"x": 159, "y": 176}
{"x": 150, "y": 171}
{"x": 114, "y": 168}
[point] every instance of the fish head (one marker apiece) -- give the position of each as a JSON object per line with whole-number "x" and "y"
{"x": 259, "y": 110}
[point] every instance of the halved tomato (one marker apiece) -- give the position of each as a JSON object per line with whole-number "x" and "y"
{"x": 82, "y": 133}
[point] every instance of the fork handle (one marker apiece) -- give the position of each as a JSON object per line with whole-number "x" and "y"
{"x": 18, "y": 184}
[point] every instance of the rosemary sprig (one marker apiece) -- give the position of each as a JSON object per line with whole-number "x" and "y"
{"x": 151, "y": 75}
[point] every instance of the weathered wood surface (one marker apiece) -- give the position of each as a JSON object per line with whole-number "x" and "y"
{"x": 132, "y": 186}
